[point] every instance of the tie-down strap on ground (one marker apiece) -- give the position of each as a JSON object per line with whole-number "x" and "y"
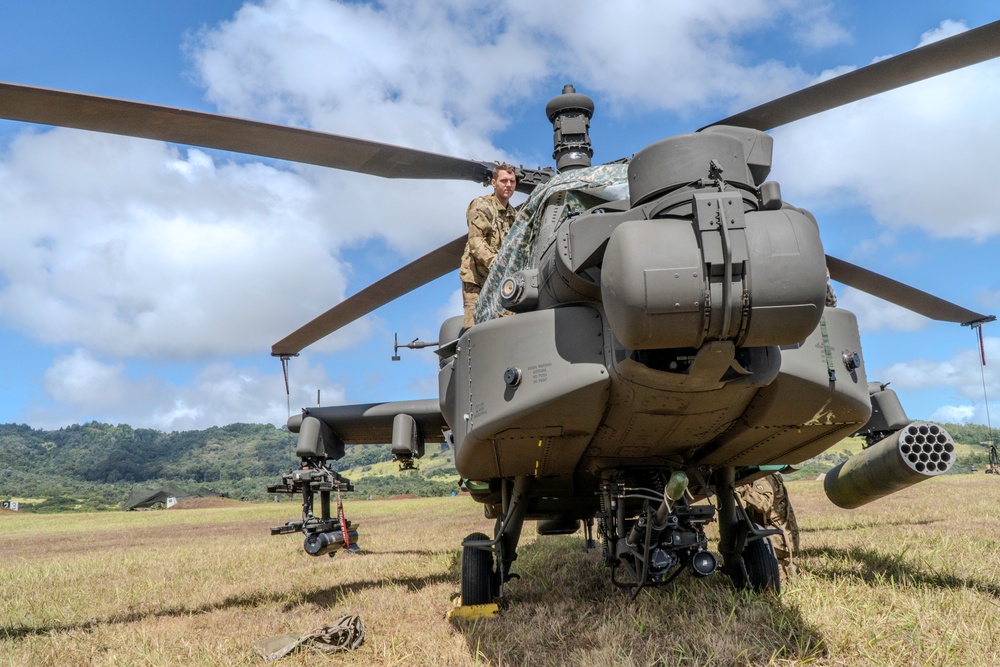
{"x": 346, "y": 634}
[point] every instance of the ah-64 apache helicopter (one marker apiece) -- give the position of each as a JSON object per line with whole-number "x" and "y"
{"x": 670, "y": 338}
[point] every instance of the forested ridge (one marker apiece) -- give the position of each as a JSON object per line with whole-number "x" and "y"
{"x": 94, "y": 465}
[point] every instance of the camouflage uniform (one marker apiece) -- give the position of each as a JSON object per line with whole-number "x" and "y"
{"x": 489, "y": 222}
{"x": 767, "y": 504}
{"x": 532, "y": 232}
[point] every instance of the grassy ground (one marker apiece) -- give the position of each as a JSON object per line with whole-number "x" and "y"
{"x": 909, "y": 580}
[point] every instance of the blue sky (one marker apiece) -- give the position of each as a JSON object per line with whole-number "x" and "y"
{"x": 144, "y": 283}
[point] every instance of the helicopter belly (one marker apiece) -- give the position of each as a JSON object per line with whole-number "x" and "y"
{"x": 817, "y": 400}
{"x": 784, "y": 410}
{"x": 657, "y": 411}
{"x": 529, "y": 392}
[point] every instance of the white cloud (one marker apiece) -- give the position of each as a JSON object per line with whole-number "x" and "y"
{"x": 954, "y": 414}
{"x": 132, "y": 248}
{"x": 410, "y": 73}
{"x": 962, "y": 373}
{"x": 814, "y": 27}
{"x": 454, "y": 307}
{"x": 680, "y": 59}
{"x": 874, "y": 314}
{"x": 80, "y": 378}
{"x": 904, "y": 155}
{"x": 220, "y": 393}
{"x": 947, "y": 28}
{"x": 440, "y": 75}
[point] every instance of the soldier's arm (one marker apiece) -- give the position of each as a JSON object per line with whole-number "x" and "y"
{"x": 482, "y": 233}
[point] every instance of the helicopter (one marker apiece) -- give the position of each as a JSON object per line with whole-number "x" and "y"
{"x": 670, "y": 337}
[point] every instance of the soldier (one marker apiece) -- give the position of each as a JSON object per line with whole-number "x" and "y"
{"x": 767, "y": 504}
{"x": 489, "y": 218}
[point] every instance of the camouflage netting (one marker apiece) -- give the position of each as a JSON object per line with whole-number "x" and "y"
{"x": 541, "y": 216}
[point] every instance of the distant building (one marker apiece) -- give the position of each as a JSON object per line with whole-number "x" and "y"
{"x": 164, "y": 496}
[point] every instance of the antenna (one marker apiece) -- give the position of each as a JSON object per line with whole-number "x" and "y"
{"x": 415, "y": 344}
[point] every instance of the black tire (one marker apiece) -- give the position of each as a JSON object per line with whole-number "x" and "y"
{"x": 762, "y": 567}
{"x": 477, "y": 573}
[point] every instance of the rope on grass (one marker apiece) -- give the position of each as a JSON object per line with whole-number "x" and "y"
{"x": 346, "y": 634}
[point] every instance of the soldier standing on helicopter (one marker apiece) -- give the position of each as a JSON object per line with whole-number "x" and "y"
{"x": 489, "y": 218}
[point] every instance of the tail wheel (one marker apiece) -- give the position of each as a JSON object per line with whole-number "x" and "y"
{"x": 477, "y": 573}
{"x": 762, "y": 567}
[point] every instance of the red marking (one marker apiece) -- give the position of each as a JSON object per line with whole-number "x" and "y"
{"x": 343, "y": 520}
{"x": 982, "y": 350}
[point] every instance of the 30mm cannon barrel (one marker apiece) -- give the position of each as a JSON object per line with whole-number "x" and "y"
{"x": 916, "y": 452}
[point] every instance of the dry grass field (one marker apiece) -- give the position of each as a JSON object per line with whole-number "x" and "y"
{"x": 909, "y": 580}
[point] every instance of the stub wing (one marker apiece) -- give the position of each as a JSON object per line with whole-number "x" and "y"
{"x": 372, "y": 423}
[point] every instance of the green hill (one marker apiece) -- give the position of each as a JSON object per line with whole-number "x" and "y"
{"x": 93, "y": 466}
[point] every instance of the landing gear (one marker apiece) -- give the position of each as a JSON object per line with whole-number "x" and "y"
{"x": 748, "y": 556}
{"x": 477, "y": 572}
{"x": 761, "y": 567}
{"x": 486, "y": 562}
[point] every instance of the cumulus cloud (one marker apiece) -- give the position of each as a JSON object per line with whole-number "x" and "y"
{"x": 442, "y": 75}
{"x": 134, "y": 248}
{"x": 814, "y": 27}
{"x": 903, "y": 155}
{"x": 86, "y": 386}
{"x": 874, "y": 314}
{"x": 79, "y": 378}
{"x": 454, "y": 307}
{"x": 962, "y": 373}
{"x": 955, "y": 414}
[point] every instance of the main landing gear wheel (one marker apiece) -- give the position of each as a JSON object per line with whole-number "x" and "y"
{"x": 762, "y": 567}
{"x": 477, "y": 573}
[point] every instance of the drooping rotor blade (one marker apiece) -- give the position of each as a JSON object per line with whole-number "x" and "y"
{"x": 195, "y": 128}
{"x": 968, "y": 48}
{"x": 900, "y": 294}
{"x": 419, "y": 272}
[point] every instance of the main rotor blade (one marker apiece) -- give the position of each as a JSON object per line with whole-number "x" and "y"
{"x": 968, "y": 48}
{"x": 900, "y": 294}
{"x": 419, "y": 272}
{"x": 149, "y": 121}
